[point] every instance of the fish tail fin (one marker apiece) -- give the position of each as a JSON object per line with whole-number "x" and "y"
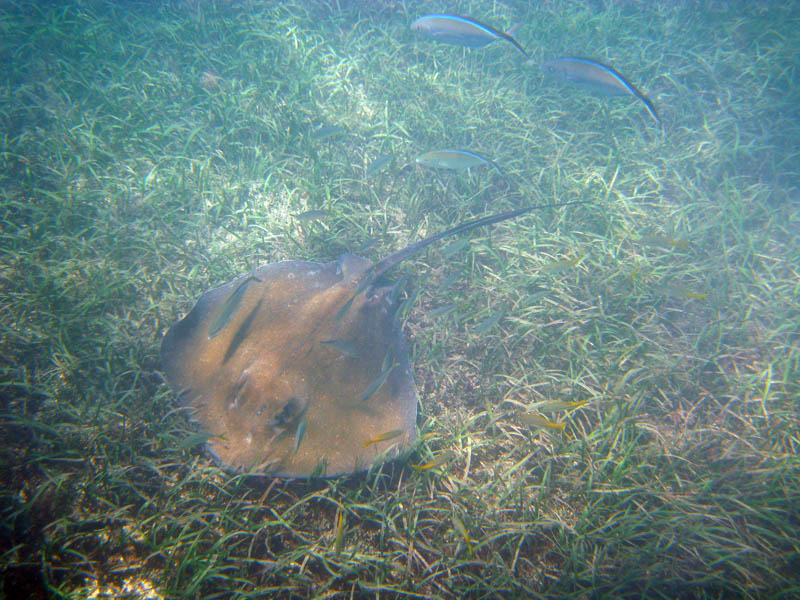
{"x": 517, "y": 45}
{"x": 650, "y": 108}
{"x": 509, "y": 35}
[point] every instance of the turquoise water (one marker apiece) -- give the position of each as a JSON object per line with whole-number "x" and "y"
{"x": 607, "y": 392}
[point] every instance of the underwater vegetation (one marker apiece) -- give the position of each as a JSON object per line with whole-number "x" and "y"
{"x": 600, "y": 399}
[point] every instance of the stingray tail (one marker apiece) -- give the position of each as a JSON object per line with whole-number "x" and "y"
{"x": 395, "y": 259}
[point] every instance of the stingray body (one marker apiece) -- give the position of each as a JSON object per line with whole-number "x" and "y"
{"x": 300, "y": 368}
{"x": 273, "y": 368}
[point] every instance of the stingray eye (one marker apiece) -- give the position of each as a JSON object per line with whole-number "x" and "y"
{"x": 289, "y": 413}
{"x": 374, "y": 298}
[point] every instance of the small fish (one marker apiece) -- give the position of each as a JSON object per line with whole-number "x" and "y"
{"x": 560, "y": 404}
{"x": 338, "y": 543}
{"x": 664, "y": 241}
{"x": 326, "y": 131}
{"x": 454, "y": 159}
{"x": 437, "y": 461}
{"x": 487, "y": 324}
{"x": 299, "y": 435}
{"x": 442, "y": 310}
{"x": 346, "y": 306}
{"x": 695, "y": 295}
{"x": 534, "y": 420}
{"x": 312, "y": 215}
{"x": 343, "y": 347}
{"x": 408, "y": 303}
{"x": 380, "y": 162}
{"x": 676, "y": 290}
{"x": 193, "y": 440}
{"x": 388, "y": 358}
{"x": 462, "y": 31}
{"x": 448, "y": 281}
{"x": 534, "y": 298}
{"x": 459, "y": 526}
{"x": 229, "y": 308}
{"x": 376, "y": 385}
{"x": 597, "y": 77}
{"x": 389, "y": 435}
{"x": 560, "y": 265}
{"x": 456, "y": 246}
{"x": 368, "y": 243}
{"x": 210, "y": 80}
{"x": 397, "y": 289}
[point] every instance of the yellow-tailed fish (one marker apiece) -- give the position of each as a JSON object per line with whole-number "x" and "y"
{"x": 437, "y": 461}
{"x": 327, "y": 131}
{"x": 596, "y": 76}
{"x": 489, "y": 323}
{"x": 194, "y": 439}
{"x": 382, "y": 437}
{"x": 408, "y": 304}
{"x": 380, "y": 162}
{"x": 442, "y": 310}
{"x": 344, "y": 347}
{"x": 388, "y": 358}
{"x": 462, "y": 31}
{"x": 448, "y": 281}
{"x": 662, "y": 240}
{"x": 368, "y": 243}
{"x": 560, "y": 265}
{"x": 560, "y": 405}
{"x": 454, "y": 159}
{"x": 459, "y": 526}
{"x": 365, "y": 283}
{"x": 695, "y": 295}
{"x": 229, "y": 308}
{"x": 312, "y": 215}
{"x": 675, "y": 290}
{"x": 534, "y": 420}
{"x": 456, "y": 246}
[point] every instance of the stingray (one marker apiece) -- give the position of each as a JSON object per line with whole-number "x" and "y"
{"x": 300, "y": 369}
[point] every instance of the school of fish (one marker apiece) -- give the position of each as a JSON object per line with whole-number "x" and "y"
{"x": 470, "y": 33}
